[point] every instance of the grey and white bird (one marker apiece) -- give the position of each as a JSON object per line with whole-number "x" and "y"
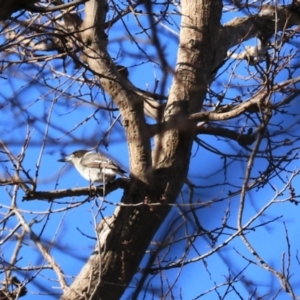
{"x": 94, "y": 167}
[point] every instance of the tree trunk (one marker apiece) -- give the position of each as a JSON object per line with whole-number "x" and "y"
{"x": 124, "y": 237}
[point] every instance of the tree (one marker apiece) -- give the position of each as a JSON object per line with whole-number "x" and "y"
{"x": 226, "y": 100}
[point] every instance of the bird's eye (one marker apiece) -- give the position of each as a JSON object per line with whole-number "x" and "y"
{"x": 75, "y": 154}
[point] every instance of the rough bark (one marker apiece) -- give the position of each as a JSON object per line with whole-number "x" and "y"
{"x": 124, "y": 237}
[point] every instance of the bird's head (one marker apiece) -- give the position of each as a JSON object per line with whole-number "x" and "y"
{"x": 74, "y": 157}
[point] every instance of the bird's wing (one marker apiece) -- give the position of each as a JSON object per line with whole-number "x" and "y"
{"x": 96, "y": 160}
{"x": 116, "y": 168}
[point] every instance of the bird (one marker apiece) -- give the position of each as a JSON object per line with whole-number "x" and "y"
{"x": 94, "y": 167}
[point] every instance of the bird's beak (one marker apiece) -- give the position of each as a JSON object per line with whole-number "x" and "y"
{"x": 66, "y": 159}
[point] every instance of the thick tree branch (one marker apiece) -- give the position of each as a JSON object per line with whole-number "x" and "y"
{"x": 124, "y": 94}
{"x": 228, "y": 112}
{"x": 270, "y": 19}
{"x": 243, "y": 139}
{"x": 185, "y": 123}
{"x": 33, "y": 8}
{"x": 8, "y": 7}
